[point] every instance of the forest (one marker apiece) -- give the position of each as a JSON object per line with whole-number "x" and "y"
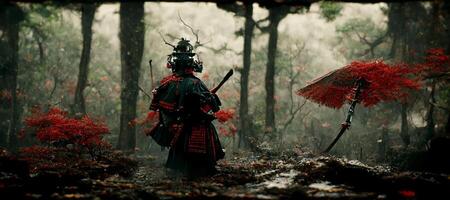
{"x": 333, "y": 99}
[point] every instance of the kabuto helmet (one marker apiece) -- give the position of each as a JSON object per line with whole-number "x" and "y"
{"x": 183, "y": 58}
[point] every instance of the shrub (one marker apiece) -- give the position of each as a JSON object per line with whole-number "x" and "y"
{"x": 55, "y": 128}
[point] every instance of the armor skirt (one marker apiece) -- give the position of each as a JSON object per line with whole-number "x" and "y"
{"x": 195, "y": 150}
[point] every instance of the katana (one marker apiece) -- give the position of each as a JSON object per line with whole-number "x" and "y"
{"x": 359, "y": 86}
{"x": 225, "y": 79}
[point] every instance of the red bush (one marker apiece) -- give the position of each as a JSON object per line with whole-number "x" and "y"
{"x": 44, "y": 158}
{"x": 436, "y": 63}
{"x": 224, "y": 115}
{"x": 226, "y": 127}
{"x": 407, "y": 193}
{"x": 227, "y": 131}
{"x": 148, "y": 122}
{"x": 55, "y": 126}
{"x": 38, "y": 151}
{"x": 152, "y": 116}
{"x": 68, "y": 143}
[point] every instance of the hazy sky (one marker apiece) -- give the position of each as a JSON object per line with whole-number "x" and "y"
{"x": 218, "y": 27}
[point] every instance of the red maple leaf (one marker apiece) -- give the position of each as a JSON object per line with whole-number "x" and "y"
{"x": 407, "y": 193}
{"x": 224, "y": 115}
{"x": 56, "y": 126}
{"x": 436, "y": 64}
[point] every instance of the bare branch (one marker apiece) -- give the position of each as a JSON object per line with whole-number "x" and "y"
{"x": 222, "y": 49}
{"x": 372, "y": 45}
{"x": 443, "y": 107}
{"x": 302, "y": 119}
{"x": 193, "y": 31}
{"x": 293, "y": 114}
{"x": 445, "y": 75}
{"x": 362, "y": 38}
{"x": 55, "y": 83}
{"x": 299, "y": 49}
{"x": 162, "y": 37}
{"x": 172, "y": 37}
{"x": 143, "y": 91}
{"x": 257, "y": 24}
{"x": 197, "y": 44}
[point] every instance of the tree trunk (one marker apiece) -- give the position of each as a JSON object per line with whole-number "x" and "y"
{"x": 11, "y": 16}
{"x": 382, "y": 144}
{"x": 274, "y": 20}
{"x": 430, "y": 114}
{"x": 404, "y": 129}
{"x": 243, "y": 106}
{"x": 435, "y": 34}
{"x": 446, "y": 11}
{"x": 404, "y": 18}
{"x": 87, "y": 17}
{"x": 447, "y": 125}
{"x": 132, "y": 33}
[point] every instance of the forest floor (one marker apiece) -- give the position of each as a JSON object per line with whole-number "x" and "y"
{"x": 288, "y": 175}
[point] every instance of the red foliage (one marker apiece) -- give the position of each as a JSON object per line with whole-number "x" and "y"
{"x": 205, "y": 76}
{"x": 226, "y": 127}
{"x": 56, "y": 126}
{"x": 223, "y": 131}
{"x": 233, "y": 129}
{"x": 228, "y": 131}
{"x": 68, "y": 142}
{"x": 43, "y": 158}
{"x": 386, "y": 83}
{"x": 151, "y": 116}
{"x": 37, "y": 151}
{"x": 147, "y": 123}
{"x": 436, "y": 63}
{"x": 407, "y": 193}
{"x": 6, "y": 95}
{"x": 224, "y": 115}
{"x": 21, "y": 134}
{"x": 133, "y": 122}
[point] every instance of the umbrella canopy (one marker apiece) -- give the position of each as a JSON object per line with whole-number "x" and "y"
{"x": 385, "y": 83}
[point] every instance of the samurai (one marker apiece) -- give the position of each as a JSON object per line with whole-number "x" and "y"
{"x": 186, "y": 110}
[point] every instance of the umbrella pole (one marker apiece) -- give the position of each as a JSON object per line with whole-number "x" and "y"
{"x": 348, "y": 121}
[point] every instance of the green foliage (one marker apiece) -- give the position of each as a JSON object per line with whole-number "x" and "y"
{"x": 330, "y": 10}
{"x": 356, "y": 37}
{"x": 50, "y": 47}
{"x": 38, "y": 14}
{"x": 46, "y": 60}
{"x": 10, "y": 13}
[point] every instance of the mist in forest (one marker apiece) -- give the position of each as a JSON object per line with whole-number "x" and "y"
{"x": 309, "y": 45}
{"x": 86, "y": 109}
{"x": 320, "y": 40}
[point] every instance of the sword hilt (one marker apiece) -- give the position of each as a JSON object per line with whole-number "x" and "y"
{"x": 225, "y": 79}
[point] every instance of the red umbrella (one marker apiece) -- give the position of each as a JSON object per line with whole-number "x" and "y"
{"x": 360, "y": 82}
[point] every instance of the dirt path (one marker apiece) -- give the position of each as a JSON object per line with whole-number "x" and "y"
{"x": 291, "y": 175}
